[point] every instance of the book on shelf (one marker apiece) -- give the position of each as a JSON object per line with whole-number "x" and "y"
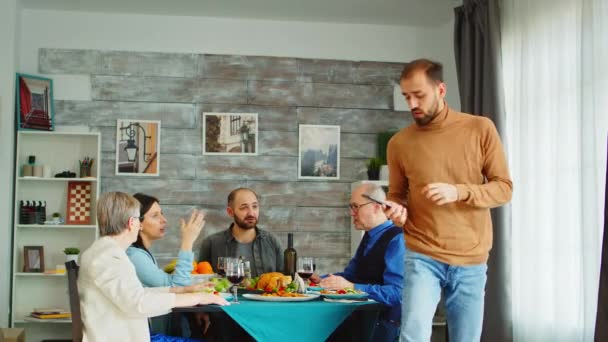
{"x": 51, "y": 316}
{"x": 50, "y": 313}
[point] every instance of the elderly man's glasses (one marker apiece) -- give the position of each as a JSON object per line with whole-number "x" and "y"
{"x": 356, "y": 207}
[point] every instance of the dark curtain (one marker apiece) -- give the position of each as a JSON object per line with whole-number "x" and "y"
{"x": 477, "y": 52}
{"x": 601, "y": 320}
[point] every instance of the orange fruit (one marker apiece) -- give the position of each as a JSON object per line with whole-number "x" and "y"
{"x": 204, "y": 267}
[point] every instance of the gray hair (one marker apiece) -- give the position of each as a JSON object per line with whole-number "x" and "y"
{"x": 374, "y": 190}
{"x": 114, "y": 209}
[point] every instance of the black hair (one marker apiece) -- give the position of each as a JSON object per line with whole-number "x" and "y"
{"x": 146, "y": 202}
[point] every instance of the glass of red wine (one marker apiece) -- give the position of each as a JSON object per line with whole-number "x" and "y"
{"x": 220, "y": 266}
{"x": 235, "y": 273}
{"x": 305, "y": 268}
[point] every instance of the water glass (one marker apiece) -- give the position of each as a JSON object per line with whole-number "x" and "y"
{"x": 220, "y": 266}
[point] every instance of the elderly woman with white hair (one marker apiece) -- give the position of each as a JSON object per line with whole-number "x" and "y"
{"x": 114, "y": 304}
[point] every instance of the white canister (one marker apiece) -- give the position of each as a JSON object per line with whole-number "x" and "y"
{"x": 47, "y": 172}
{"x": 384, "y": 172}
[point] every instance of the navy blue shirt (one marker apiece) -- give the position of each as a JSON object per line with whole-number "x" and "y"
{"x": 389, "y": 292}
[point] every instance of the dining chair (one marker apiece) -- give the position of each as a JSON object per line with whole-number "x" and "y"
{"x": 72, "y": 269}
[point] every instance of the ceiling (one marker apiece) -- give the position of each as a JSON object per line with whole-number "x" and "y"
{"x": 381, "y": 12}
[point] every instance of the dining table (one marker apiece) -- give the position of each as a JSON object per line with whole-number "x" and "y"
{"x": 268, "y": 320}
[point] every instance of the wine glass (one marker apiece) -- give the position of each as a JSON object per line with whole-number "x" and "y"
{"x": 221, "y": 264}
{"x": 235, "y": 273}
{"x": 305, "y": 268}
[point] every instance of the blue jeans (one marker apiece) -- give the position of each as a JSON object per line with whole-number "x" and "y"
{"x": 464, "y": 290}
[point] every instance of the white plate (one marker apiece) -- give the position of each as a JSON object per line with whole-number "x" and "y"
{"x": 280, "y": 299}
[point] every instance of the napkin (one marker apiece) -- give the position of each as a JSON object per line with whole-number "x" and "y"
{"x": 300, "y": 284}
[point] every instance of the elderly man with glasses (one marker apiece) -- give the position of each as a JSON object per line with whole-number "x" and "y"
{"x": 377, "y": 266}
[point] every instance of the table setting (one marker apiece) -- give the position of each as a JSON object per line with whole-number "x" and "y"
{"x": 275, "y": 306}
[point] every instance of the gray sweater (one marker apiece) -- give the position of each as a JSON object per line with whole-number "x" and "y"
{"x": 267, "y": 250}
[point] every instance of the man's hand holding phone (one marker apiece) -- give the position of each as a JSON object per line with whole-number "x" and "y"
{"x": 394, "y": 211}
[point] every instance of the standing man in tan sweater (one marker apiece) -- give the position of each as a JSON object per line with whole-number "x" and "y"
{"x": 448, "y": 169}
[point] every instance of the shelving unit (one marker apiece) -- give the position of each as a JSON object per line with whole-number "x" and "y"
{"x": 60, "y": 151}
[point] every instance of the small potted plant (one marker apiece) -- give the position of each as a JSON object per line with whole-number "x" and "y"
{"x": 373, "y": 168}
{"x": 71, "y": 253}
{"x": 57, "y": 218}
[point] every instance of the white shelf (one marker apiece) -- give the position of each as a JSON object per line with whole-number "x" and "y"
{"x": 42, "y": 179}
{"x": 35, "y": 274}
{"x": 59, "y": 151}
{"x": 37, "y": 320}
{"x": 57, "y": 226}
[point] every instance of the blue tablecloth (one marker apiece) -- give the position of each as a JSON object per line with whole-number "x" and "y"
{"x": 290, "y": 321}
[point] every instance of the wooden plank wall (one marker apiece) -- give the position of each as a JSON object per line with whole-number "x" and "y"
{"x": 177, "y": 88}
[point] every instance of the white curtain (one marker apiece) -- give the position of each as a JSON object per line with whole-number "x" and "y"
{"x": 555, "y": 69}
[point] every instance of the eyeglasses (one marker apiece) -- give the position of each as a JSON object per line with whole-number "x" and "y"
{"x": 356, "y": 207}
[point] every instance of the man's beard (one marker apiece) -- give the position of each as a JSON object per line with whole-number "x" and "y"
{"x": 243, "y": 224}
{"x": 428, "y": 117}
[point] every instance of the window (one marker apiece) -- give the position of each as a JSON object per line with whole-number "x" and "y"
{"x": 235, "y": 124}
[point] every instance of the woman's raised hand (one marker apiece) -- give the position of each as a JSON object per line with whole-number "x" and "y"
{"x": 191, "y": 229}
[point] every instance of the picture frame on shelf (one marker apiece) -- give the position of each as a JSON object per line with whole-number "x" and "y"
{"x": 230, "y": 134}
{"x": 137, "y": 147}
{"x": 319, "y": 152}
{"x": 34, "y": 105}
{"x": 33, "y": 259}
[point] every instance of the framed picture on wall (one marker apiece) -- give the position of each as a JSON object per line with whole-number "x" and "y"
{"x": 34, "y": 103}
{"x": 33, "y": 259}
{"x": 230, "y": 133}
{"x": 319, "y": 152}
{"x": 137, "y": 147}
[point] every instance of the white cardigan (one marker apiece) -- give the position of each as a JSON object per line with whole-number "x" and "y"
{"x": 114, "y": 304}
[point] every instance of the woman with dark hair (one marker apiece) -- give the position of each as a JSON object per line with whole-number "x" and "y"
{"x": 153, "y": 227}
{"x": 114, "y": 304}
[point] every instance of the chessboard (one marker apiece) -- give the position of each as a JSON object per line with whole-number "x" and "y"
{"x": 79, "y": 203}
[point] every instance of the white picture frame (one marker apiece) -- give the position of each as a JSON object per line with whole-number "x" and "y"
{"x": 137, "y": 147}
{"x": 230, "y": 134}
{"x": 319, "y": 152}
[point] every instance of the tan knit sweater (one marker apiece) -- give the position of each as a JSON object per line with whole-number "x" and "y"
{"x": 460, "y": 149}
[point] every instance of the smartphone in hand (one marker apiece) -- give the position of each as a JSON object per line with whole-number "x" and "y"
{"x": 376, "y": 200}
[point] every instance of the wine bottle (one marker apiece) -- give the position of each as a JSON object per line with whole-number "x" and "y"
{"x": 289, "y": 257}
